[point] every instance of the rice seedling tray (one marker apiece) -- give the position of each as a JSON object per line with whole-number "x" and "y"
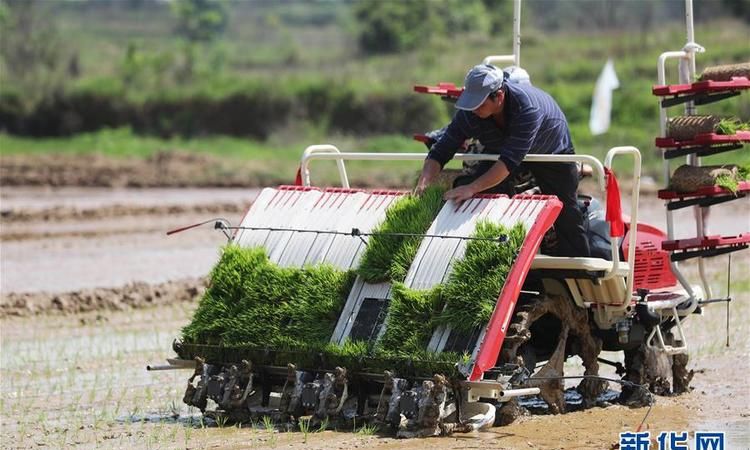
{"x": 704, "y": 196}
{"x": 706, "y": 191}
{"x": 736, "y": 84}
{"x": 705, "y": 247}
{"x": 704, "y": 139}
{"x": 701, "y": 92}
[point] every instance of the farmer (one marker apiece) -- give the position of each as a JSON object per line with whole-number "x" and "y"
{"x": 511, "y": 120}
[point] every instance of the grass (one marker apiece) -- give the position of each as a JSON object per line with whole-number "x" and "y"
{"x": 388, "y": 257}
{"x": 276, "y": 159}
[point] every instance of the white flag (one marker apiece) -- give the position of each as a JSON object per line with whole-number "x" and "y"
{"x": 601, "y": 104}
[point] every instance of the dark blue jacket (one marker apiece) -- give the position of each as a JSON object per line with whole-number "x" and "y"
{"x": 534, "y": 124}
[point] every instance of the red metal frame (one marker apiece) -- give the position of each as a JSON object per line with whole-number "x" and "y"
{"x": 706, "y": 191}
{"x": 704, "y": 139}
{"x": 699, "y": 87}
{"x": 506, "y": 302}
{"x": 706, "y": 242}
{"x": 444, "y": 89}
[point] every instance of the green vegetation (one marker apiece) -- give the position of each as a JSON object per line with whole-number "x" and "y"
{"x": 251, "y": 301}
{"x": 287, "y": 74}
{"x": 253, "y": 306}
{"x": 389, "y": 256}
{"x": 731, "y": 125}
{"x": 409, "y": 324}
{"x": 731, "y": 182}
{"x": 397, "y": 26}
{"x": 470, "y": 294}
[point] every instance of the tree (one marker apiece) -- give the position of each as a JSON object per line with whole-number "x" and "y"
{"x": 740, "y": 8}
{"x": 200, "y": 20}
{"x": 31, "y": 50}
{"x": 393, "y": 26}
{"x": 500, "y": 14}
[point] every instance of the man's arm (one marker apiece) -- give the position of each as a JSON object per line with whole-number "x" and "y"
{"x": 495, "y": 175}
{"x": 442, "y": 151}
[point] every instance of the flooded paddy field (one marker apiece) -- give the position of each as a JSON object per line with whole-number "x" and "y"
{"x": 78, "y": 379}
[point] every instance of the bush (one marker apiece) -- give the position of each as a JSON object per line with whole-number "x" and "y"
{"x": 246, "y": 110}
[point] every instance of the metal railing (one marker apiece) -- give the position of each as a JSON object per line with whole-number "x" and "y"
{"x": 515, "y": 58}
{"x": 327, "y": 152}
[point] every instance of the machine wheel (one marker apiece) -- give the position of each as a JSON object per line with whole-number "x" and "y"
{"x": 654, "y": 368}
{"x": 550, "y": 328}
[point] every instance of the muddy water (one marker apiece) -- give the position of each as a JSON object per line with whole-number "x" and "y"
{"x": 85, "y": 198}
{"x": 70, "y": 255}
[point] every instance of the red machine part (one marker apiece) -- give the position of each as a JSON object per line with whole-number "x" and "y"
{"x": 699, "y": 87}
{"x": 506, "y": 303}
{"x": 652, "y": 269}
{"x": 707, "y": 242}
{"x": 704, "y": 139}
{"x": 705, "y": 191}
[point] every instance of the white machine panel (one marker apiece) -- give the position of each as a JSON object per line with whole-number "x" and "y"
{"x": 310, "y": 213}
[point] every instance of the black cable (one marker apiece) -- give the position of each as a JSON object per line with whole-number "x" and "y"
{"x": 356, "y": 232}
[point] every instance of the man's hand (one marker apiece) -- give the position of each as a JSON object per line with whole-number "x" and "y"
{"x": 430, "y": 169}
{"x": 419, "y": 188}
{"x": 460, "y": 193}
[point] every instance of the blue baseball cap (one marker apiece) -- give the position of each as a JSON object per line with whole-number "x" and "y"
{"x": 480, "y": 82}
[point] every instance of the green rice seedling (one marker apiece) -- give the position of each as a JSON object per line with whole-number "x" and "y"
{"x": 314, "y": 310}
{"x": 252, "y": 301}
{"x": 188, "y": 433}
{"x": 731, "y": 125}
{"x": 304, "y": 427}
{"x": 471, "y": 291}
{"x": 388, "y": 257}
{"x": 368, "y": 430}
{"x": 271, "y": 429}
{"x": 323, "y": 425}
{"x": 268, "y": 424}
{"x": 409, "y": 320}
{"x": 221, "y": 421}
{"x": 731, "y": 182}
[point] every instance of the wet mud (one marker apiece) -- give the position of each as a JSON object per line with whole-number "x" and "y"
{"x": 168, "y": 168}
{"x": 131, "y": 296}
